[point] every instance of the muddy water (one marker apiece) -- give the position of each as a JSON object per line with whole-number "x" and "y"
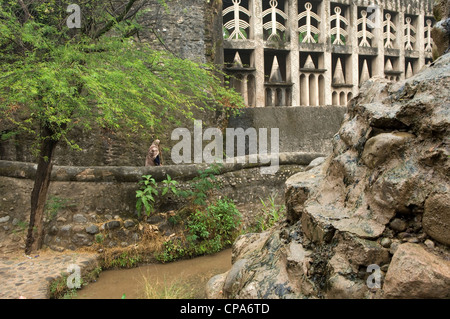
{"x": 181, "y": 279}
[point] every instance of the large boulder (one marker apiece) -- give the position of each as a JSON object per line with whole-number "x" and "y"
{"x": 383, "y": 192}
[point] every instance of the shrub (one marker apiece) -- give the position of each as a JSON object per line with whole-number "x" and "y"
{"x": 145, "y": 195}
{"x": 208, "y": 231}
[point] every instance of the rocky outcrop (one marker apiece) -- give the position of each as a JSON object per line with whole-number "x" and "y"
{"x": 441, "y": 30}
{"x": 372, "y": 220}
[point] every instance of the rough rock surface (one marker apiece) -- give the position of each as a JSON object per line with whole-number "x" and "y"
{"x": 441, "y": 30}
{"x": 373, "y": 219}
{"x": 417, "y": 273}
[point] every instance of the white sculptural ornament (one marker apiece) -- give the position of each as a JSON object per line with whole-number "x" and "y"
{"x": 236, "y": 24}
{"x": 308, "y": 27}
{"x": 273, "y": 24}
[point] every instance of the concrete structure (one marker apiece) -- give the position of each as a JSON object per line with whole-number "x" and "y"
{"x": 318, "y": 52}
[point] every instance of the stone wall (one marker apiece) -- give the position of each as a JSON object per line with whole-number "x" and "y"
{"x": 87, "y": 201}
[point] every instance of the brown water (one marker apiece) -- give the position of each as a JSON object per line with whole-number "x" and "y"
{"x": 181, "y": 279}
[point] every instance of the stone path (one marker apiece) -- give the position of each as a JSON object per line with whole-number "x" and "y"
{"x": 31, "y": 277}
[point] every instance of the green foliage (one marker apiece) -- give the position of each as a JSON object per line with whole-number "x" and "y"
{"x": 271, "y": 213}
{"x": 149, "y": 189}
{"x": 21, "y": 227}
{"x": 220, "y": 219}
{"x": 54, "y": 205}
{"x": 208, "y": 231}
{"x": 125, "y": 260}
{"x": 59, "y": 290}
{"x": 169, "y": 186}
{"x": 99, "y": 238}
{"x": 146, "y": 195}
{"x": 202, "y": 186}
{"x": 63, "y": 78}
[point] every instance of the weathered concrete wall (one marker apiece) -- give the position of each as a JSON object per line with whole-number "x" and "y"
{"x": 304, "y": 129}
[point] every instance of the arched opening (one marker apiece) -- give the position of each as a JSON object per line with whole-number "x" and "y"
{"x": 342, "y": 100}
{"x": 335, "y": 98}
{"x": 313, "y": 93}
{"x": 349, "y": 96}
{"x": 269, "y": 97}
{"x": 304, "y": 90}
{"x": 288, "y": 97}
{"x": 279, "y": 97}
{"x": 321, "y": 90}
{"x": 251, "y": 90}
{"x": 236, "y": 83}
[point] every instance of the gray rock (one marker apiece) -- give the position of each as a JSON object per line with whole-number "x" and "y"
{"x": 53, "y": 230}
{"x": 155, "y": 219}
{"x": 79, "y": 219}
{"x": 394, "y": 247}
{"x": 316, "y": 162}
{"x": 398, "y": 225}
{"x": 92, "y": 229}
{"x": 5, "y": 219}
{"x": 429, "y": 244}
{"x": 129, "y": 223}
{"x": 114, "y": 224}
{"x": 385, "y": 242}
{"x": 65, "y": 230}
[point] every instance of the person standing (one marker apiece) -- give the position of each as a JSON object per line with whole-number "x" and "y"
{"x": 154, "y": 156}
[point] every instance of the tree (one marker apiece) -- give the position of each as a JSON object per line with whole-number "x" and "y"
{"x": 54, "y": 78}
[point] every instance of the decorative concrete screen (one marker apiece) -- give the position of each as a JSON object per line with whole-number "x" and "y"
{"x": 319, "y": 52}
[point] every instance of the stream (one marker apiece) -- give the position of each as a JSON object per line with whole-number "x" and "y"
{"x": 181, "y": 279}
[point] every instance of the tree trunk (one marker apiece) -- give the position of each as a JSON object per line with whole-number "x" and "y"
{"x": 39, "y": 194}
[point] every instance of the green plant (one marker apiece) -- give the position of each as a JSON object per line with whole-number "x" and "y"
{"x": 207, "y": 231}
{"x": 21, "y": 226}
{"x": 54, "y": 205}
{"x": 145, "y": 195}
{"x": 173, "y": 289}
{"x": 54, "y": 79}
{"x": 99, "y": 238}
{"x": 202, "y": 185}
{"x": 271, "y": 214}
{"x": 172, "y": 249}
{"x": 169, "y": 186}
{"x": 221, "y": 218}
{"x": 59, "y": 290}
{"x": 125, "y": 260}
